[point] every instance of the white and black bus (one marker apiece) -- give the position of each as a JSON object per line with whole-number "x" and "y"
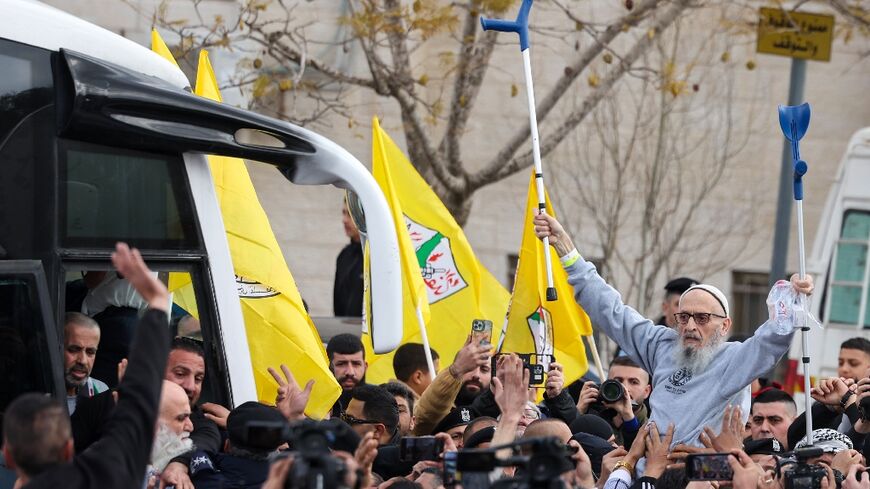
{"x": 101, "y": 141}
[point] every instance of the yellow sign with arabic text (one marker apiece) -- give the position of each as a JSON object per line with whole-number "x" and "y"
{"x": 795, "y": 34}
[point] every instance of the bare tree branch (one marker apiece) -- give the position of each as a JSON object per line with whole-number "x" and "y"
{"x": 496, "y": 169}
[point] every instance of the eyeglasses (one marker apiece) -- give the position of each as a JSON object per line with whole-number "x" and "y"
{"x": 353, "y": 421}
{"x": 701, "y": 318}
{"x": 531, "y": 414}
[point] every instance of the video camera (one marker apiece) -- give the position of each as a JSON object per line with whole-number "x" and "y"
{"x": 313, "y": 464}
{"x": 803, "y": 475}
{"x": 540, "y": 462}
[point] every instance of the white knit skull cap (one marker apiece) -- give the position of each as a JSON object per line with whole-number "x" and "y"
{"x": 716, "y": 293}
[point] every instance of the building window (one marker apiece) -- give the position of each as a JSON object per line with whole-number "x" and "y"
{"x": 749, "y": 306}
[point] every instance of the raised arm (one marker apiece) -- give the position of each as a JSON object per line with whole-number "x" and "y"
{"x": 772, "y": 339}
{"x": 118, "y": 459}
{"x": 637, "y": 336}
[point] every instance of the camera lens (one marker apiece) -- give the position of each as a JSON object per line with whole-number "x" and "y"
{"x": 611, "y": 391}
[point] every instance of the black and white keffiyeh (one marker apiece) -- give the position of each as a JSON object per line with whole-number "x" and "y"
{"x": 831, "y": 441}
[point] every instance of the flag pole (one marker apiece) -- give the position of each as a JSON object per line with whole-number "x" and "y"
{"x": 521, "y": 27}
{"x": 794, "y": 120}
{"x": 425, "y": 337}
{"x": 597, "y": 359}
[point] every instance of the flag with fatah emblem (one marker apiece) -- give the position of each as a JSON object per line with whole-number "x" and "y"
{"x": 535, "y": 325}
{"x": 458, "y": 288}
{"x": 278, "y": 328}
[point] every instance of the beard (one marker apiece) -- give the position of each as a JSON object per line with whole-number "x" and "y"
{"x": 72, "y": 382}
{"x": 168, "y": 445}
{"x": 697, "y": 358}
{"x": 466, "y": 396}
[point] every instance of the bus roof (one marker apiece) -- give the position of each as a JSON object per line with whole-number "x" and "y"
{"x": 36, "y": 24}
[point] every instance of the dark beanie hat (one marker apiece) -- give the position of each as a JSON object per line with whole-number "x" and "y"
{"x": 485, "y": 435}
{"x": 456, "y": 417}
{"x": 680, "y": 285}
{"x": 595, "y": 447}
{"x": 592, "y": 424}
{"x": 252, "y": 411}
{"x": 765, "y": 446}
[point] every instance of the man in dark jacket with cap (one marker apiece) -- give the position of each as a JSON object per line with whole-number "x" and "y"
{"x": 454, "y": 424}
{"x": 245, "y": 463}
{"x": 671, "y": 303}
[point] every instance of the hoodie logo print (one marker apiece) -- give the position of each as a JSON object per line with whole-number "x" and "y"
{"x": 680, "y": 377}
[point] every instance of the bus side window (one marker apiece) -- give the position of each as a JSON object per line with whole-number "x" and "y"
{"x": 29, "y": 357}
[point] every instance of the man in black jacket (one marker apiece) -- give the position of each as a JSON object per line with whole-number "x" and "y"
{"x": 38, "y": 443}
{"x": 347, "y": 291}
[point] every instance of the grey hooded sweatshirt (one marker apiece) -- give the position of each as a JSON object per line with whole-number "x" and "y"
{"x": 689, "y": 400}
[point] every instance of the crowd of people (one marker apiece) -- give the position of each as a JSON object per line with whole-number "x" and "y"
{"x": 681, "y": 406}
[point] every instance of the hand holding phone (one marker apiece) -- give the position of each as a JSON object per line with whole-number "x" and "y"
{"x": 708, "y": 467}
{"x": 481, "y": 331}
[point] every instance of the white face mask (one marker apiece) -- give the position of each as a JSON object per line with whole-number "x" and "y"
{"x": 168, "y": 445}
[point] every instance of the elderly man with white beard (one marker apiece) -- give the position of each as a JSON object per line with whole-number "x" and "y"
{"x": 696, "y": 374}
{"x": 172, "y": 437}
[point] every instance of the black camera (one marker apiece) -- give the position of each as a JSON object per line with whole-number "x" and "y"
{"x": 864, "y": 408}
{"x": 540, "y": 462}
{"x": 804, "y": 475}
{"x": 313, "y": 464}
{"x": 610, "y": 391}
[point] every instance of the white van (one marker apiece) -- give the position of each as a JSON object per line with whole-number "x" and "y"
{"x": 840, "y": 262}
{"x": 101, "y": 141}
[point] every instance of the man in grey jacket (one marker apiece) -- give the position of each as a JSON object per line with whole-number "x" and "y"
{"x": 696, "y": 374}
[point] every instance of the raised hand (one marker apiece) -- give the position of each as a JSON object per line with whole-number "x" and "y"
{"x": 831, "y": 391}
{"x": 548, "y": 227}
{"x": 857, "y": 478}
{"x": 730, "y": 438}
{"x": 588, "y": 395}
{"x": 365, "y": 455}
{"x": 747, "y": 473}
{"x": 216, "y": 413}
{"x": 290, "y": 399}
{"x": 471, "y": 356}
{"x": 510, "y": 385}
{"x": 802, "y": 285}
{"x": 555, "y": 380}
{"x": 638, "y": 447}
{"x": 657, "y": 450}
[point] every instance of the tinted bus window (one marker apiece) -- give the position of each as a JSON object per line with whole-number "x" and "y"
{"x": 110, "y": 195}
{"x": 26, "y": 84}
{"x": 24, "y": 346}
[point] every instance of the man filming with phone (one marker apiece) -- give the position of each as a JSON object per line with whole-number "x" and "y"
{"x": 696, "y": 373}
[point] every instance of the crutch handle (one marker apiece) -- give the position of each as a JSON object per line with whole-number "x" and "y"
{"x": 520, "y": 26}
{"x": 800, "y": 169}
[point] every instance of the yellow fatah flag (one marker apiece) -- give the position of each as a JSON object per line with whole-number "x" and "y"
{"x": 414, "y": 288}
{"x": 458, "y": 288}
{"x": 535, "y": 325}
{"x": 278, "y": 328}
{"x": 159, "y": 47}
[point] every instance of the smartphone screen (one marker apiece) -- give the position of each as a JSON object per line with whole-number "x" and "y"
{"x": 481, "y": 331}
{"x": 708, "y": 467}
{"x": 416, "y": 448}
